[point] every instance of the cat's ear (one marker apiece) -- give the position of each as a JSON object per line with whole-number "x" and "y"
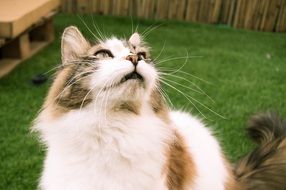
{"x": 135, "y": 39}
{"x": 73, "y": 44}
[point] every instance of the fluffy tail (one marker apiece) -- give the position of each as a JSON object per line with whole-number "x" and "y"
{"x": 265, "y": 167}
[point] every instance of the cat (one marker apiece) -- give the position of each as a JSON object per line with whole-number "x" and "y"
{"x": 106, "y": 126}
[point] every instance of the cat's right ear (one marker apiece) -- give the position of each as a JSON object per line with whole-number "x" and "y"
{"x": 73, "y": 44}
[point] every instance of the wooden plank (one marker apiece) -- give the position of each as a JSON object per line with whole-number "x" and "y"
{"x": 96, "y": 7}
{"x": 124, "y": 7}
{"x": 172, "y": 9}
{"x": 190, "y": 10}
{"x": 258, "y": 15}
{"x": 217, "y": 7}
{"x": 162, "y": 9}
{"x": 151, "y": 9}
{"x": 244, "y": 5}
{"x": 105, "y": 7}
{"x": 24, "y": 46}
{"x": 281, "y": 21}
{"x": 63, "y": 6}
{"x": 251, "y": 11}
{"x": 132, "y": 8}
{"x": 272, "y": 15}
{"x": 144, "y": 9}
{"x": 82, "y": 6}
{"x": 140, "y": 10}
{"x": 69, "y": 6}
{"x": 90, "y": 6}
{"x": 265, "y": 5}
{"x": 225, "y": 9}
{"x": 232, "y": 13}
{"x": 145, "y": 6}
{"x": 201, "y": 11}
{"x": 195, "y": 10}
{"x": 240, "y": 13}
{"x": 181, "y": 9}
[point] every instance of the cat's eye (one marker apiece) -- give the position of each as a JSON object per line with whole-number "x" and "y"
{"x": 141, "y": 56}
{"x": 103, "y": 53}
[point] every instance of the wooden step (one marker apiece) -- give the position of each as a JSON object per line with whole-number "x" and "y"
{"x": 15, "y": 51}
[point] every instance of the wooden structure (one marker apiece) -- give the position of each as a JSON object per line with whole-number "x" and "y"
{"x": 264, "y": 15}
{"x": 25, "y": 28}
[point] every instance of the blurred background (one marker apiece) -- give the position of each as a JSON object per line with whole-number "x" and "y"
{"x": 223, "y": 60}
{"x": 264, "y": 15}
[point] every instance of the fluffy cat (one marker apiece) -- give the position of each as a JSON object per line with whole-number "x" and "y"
{"x": 107, "y": 127}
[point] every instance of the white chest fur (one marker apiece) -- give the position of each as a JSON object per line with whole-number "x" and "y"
{"x": 125, "y": 154}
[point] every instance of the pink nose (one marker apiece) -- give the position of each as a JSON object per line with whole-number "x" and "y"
{"x": 133, "y": 59}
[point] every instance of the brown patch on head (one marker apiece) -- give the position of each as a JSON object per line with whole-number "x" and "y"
{"x": 159, "y": 106}
{"x": 180, "y": 167}
{"x": 70, "y": 87}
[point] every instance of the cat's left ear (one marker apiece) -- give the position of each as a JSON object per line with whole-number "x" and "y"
{"x": 73, "y": 44}
{"x": 135, "y": 39}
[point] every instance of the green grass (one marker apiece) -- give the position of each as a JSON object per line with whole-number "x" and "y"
{"x": 243, "y": 81}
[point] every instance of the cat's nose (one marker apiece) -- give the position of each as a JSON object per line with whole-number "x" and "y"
{"x": 133, "y": 59}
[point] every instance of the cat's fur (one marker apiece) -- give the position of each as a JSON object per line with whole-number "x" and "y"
{"x": 103, "y": 132}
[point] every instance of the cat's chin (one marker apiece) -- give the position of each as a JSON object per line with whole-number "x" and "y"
{"x": 132, "y": 89}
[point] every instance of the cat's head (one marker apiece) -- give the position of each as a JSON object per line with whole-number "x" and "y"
{"x": 117, "y": 71}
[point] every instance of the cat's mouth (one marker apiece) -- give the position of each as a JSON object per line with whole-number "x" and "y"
{"x": 132, "y": 76}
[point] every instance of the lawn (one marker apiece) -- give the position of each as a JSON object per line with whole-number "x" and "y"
{"x": 245, "y": 73}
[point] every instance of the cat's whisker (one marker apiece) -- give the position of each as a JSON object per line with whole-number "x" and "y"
{"x": 81, "y": 105}
{"x": 136, "y": 29}
{"x": 59, "y": 66}
{"x": 96, "y": 101}
{"x": 165, "y": 69}
{"x": 161, "y": 51}
{"x": 77, "y": 79}
{"x": 145, "y": 34}
{"x": 107, "y": 98}
{"x": 177, "y": 58}
{"x": 148, "y": 28}
{"x": 181, "y": 67}
{"x": 192, "y": 83}
{"x": 99, "y": 127}
{"x": 99, "y": 32}
{"x": 182, "y": 78}
{"x": 165, "y": 96}
{"x": 200, "y": 90}
{"x": 185, "y": 97}
{"x": 88, "y": 27}
{"x": 69, "y": 83}
{"x": 132, "y": 25}
{"x": 52, "y": 69}
{"x": 192, "y": 98}
{"x": 187, "y": 87}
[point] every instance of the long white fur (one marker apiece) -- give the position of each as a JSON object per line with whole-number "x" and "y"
{"x": 125, "y": 152}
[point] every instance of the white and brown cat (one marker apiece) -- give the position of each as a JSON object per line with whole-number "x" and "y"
{"x": 107, "y": 127}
